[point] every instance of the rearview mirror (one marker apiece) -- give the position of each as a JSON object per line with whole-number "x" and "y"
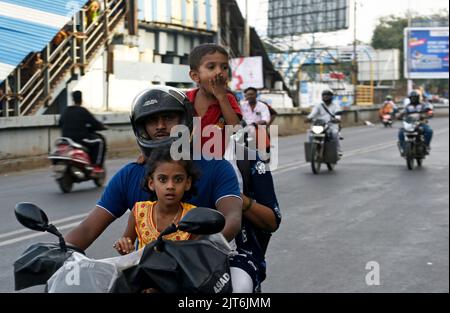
{"x": 31, "y": 216}
{"x": 202, "y": 221}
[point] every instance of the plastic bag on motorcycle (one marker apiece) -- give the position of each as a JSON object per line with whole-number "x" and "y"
{"x": 80, "y": 274}
{"x": 196, "y": 266}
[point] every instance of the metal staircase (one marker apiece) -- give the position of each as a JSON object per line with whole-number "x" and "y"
{"x": 60, "y": 63}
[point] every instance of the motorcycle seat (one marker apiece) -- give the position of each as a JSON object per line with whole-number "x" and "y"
{"x": 70, "y": 142}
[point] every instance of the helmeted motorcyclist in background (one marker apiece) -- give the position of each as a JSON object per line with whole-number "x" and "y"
{"x": 326, "y": 111}
{"x": 415, "y": 106}
{"x": 388, "y": 107}
{"x": 78, "y": 124}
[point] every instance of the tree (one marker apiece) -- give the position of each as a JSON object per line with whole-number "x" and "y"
{"x": 389, "y": 34}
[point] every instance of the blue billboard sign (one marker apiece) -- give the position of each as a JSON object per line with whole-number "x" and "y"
{"x": 426, "y": 52}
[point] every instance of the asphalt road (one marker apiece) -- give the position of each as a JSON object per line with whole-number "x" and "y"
{"x": 338, "y": 227}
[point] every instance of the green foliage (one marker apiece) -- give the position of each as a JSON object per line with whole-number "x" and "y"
{"x": 389, "y": 32}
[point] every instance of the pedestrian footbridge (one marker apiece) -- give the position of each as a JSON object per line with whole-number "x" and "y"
{"x": 44, "y": 44}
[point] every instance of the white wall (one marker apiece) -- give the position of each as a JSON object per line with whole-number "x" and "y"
{"x": 92, "y": 86}
{"x": 134, "y": 71}
{"x": 383, "y": 65}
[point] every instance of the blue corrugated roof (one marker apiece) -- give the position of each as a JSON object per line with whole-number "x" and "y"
{"x": 41, "y": 20}
{"x": 19, "y": 38}
{"x": 59, "y": 7}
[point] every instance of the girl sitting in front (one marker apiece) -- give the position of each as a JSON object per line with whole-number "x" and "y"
{"x": 168, "y": 180}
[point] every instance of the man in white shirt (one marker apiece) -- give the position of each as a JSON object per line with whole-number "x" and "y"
{"x": 254, "y": 112}
{"x": 326, "y": 111}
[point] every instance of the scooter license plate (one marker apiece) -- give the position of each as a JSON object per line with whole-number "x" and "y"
{"x": 58, "y": 170}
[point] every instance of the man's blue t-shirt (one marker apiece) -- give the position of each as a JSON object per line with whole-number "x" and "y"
{"x": 217, "y": 180}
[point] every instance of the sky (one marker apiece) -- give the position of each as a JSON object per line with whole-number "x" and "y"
{"x": 368, "y": 11}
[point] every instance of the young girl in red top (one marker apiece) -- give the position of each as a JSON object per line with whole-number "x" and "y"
{"x": 213, "y": 103}
{"x": 168, "y": 180}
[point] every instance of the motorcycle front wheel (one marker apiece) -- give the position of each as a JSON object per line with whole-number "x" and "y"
{"x": 315, "y": 158}
{"x": 409, "y": 155}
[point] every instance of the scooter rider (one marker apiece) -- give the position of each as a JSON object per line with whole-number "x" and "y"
{"x": 415, "y": 106}
{"x": 387, "y": 108}
{"x": 78, "y": 124}
{"x": 326, "y": 111}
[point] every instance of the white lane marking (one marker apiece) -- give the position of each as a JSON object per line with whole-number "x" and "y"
{"x": 33, "y": 235}
{"x": 21, "y": 231}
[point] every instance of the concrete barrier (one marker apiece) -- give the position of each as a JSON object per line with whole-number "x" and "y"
{"x": 26, "y": 141}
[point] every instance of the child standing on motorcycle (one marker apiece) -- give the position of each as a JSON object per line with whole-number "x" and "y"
{"x": 167, "y": 181}
{"x": 212, "y": 102}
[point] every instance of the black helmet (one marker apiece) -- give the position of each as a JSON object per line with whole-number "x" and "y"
{"x": 414, "y": 97}
{"x": 155, "y": 100}
{"x": 414, "y": 93}
{"x": 327, "y": 92}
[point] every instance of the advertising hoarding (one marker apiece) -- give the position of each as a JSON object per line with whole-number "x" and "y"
{"x": 426, "y": 53}
{"x": 247, "y": 72}
{"x": 296, "y": 17}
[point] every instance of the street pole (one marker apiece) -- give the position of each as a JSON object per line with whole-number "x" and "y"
{"x": 246, "y": 33}
{"x": 355, "y": 61}
{"x": 409, "y": 85}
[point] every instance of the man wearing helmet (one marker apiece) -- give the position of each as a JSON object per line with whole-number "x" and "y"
{"x": 326, "y": 110}
{"x": 415, "y": 106}
{"x": 154, "y": 113}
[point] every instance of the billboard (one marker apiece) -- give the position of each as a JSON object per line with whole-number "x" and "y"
{"x": 187, "y": 13}
{"x": 246, "y": 72}
{"x": 296, "y": 17}
{"x": 426, "y": 52}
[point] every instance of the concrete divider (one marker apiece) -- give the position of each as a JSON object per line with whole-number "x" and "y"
{"x": 26, "y": 141}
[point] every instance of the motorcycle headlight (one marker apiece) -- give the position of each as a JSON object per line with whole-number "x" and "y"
{"x": 409, "y": 127}
{"x": 317, "y": 129}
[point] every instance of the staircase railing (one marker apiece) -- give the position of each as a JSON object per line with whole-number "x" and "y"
{"x": 26, "y": 96}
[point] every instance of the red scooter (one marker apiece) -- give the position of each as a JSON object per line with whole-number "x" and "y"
{"x": 71, "y": 163}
